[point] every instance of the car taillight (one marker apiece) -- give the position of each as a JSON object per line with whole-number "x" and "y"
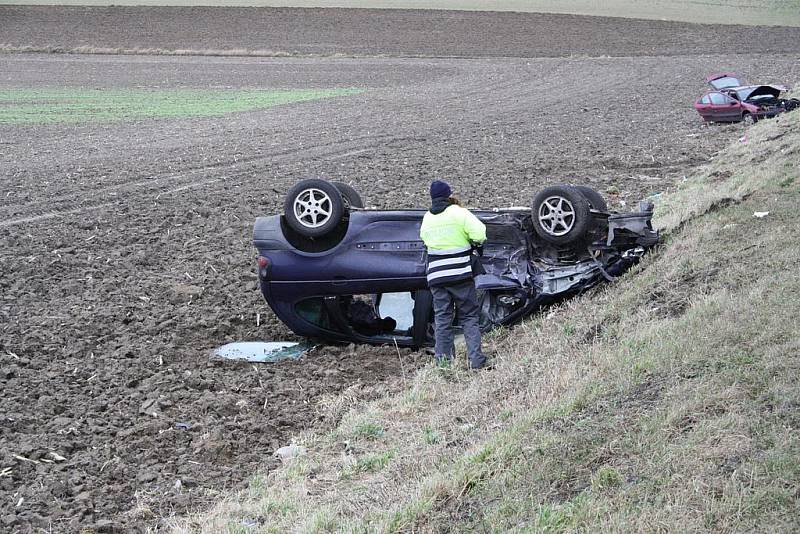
{"x": 263, "y": 266}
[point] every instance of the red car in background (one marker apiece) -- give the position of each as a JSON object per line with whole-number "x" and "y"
{"x": 733, "y": 101}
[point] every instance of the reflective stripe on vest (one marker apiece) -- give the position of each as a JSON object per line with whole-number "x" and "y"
{"x": 448, "y": 266}
{"x": 448, "y": 252}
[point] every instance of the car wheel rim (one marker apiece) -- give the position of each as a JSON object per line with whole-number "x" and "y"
{"x": 312, "y": 208}
{"x": 556, "y": 216}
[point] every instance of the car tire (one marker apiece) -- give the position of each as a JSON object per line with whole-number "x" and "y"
{"x": 350, "y": 196}
{"x": 748, "y": 119}
{"x": 596, "y": 200}
{"x": 313, "y": 207}
{"x": 423, "y": 311}
{"x": 560, "y": 215}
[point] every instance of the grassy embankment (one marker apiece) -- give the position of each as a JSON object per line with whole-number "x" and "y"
{"x": 48, "y": 106}
{"x": 667, "y": 401}
{"x": 764, "y": 12}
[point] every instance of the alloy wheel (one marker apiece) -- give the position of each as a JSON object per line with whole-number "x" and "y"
{"x": 312, "y": 207}
{"x": 556, "y": 215}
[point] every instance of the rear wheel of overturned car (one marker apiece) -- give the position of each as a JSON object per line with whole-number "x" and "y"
{"x": 596, "y": 200}
{"x": 560, "y": 214}
{"x": 748, "y": 119}
{"x": 350, "y": 196}
{"x": 313, "y": 207}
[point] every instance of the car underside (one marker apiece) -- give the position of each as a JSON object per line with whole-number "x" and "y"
{"x": 362, "y": 279}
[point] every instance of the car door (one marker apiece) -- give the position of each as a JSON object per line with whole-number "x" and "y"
{"x": 724, "y": 108}
{"x": 703, "y": 107}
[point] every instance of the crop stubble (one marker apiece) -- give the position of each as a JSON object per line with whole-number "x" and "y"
{"x": 126, "y": 250}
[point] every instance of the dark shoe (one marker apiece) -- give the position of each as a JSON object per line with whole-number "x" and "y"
{"x": 479, "y": 366}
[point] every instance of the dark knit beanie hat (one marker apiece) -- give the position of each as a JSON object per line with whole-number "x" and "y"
{"x": 440, "y": 189}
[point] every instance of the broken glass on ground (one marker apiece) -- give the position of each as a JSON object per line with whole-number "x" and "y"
{"x": 263, "y": 351}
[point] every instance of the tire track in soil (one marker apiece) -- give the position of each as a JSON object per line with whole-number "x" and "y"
{"x": 150, "y": 187}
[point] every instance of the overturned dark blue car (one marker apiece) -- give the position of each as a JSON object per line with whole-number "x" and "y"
{"x": 334, "y": 271}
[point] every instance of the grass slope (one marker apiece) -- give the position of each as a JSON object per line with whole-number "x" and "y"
{"x": 48, "y": 106}
{"x": 764, "y": 12}
{"x": 667, "y": 401}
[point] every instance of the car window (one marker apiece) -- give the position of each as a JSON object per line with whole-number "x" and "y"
{"x": 387, "y": 314}
{"x": 718, "y": 98}
{"x": 313, "y": 311}
{"x": 400, "y": 307}
{"x": 705, "y": 100}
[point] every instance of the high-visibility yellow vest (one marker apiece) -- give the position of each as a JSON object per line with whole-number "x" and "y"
{"x": 455, "y": 227}
{"x": 449, "y": 236}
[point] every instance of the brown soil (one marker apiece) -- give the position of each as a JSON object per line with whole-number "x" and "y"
{"x": 125, "y": 252}
{"x": 369, "y": 32}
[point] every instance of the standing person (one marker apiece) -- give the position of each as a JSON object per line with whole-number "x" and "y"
{"x": 450, "y": 232}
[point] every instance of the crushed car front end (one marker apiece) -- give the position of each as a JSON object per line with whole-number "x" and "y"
{"x": 764, "y": 101}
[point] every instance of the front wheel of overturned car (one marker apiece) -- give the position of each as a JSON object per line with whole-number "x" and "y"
{"x": 596, "y": 200}
{"x": 313, "y": 207}
{"x": 350, "y": 196}
{"x": 748, "y": 119}
{"x": 561, "y": 214}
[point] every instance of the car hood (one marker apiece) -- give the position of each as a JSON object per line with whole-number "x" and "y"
{"x": 753, "y": 91}
{"x": 724, "y": 80}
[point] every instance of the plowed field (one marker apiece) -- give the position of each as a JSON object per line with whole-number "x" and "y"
{"x": 125, "y": 252}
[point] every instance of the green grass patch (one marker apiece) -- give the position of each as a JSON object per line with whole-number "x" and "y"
{"x": 606, "y": 477}
{"x": 368, "y": 431}
{"x": 369, "y": 463}
{"x": 431, "y": 436}
{"x": 78, "y": 105}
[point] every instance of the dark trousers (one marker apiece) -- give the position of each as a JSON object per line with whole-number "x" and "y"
{"x": 447, "y": 299}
